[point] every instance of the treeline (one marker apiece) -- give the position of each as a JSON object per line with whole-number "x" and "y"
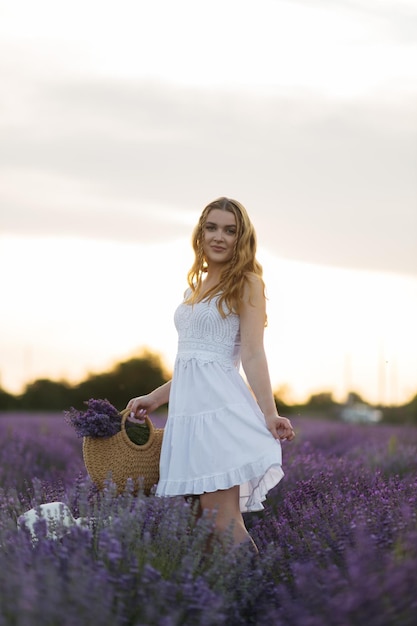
{"x": 128, "y": 379}
{"x": 325, "y": 406}
{"x": 142, "y": 374}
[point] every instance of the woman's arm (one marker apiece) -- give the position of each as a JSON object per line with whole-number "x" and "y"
{"x": 152, "y": 401}
{"x": 252, "y": 324}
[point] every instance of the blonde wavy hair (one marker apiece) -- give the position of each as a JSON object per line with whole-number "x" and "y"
{"x": 235, "y": 274}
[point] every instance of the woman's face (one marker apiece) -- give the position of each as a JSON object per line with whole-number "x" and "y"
{"x": 220, "y": 232}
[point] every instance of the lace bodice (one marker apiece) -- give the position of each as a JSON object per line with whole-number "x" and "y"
{"x": 204, "y": 335}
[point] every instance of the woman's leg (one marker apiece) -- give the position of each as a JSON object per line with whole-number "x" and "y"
{"x": 224, "y": 505}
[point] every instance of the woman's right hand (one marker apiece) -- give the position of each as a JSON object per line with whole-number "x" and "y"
{"x": 142, "y": 405}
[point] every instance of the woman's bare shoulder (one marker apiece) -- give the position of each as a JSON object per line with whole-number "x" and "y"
{"x": 254, "y": 286}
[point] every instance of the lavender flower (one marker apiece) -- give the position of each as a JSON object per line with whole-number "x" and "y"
{"x": 337, "y": 539}
{"x": 101, "y": 419}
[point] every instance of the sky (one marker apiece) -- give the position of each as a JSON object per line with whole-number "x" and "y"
{"x": 120, "y": 121}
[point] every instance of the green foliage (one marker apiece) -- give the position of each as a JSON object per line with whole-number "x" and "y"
{"x": 321, "y": 401}
{"x": 45, "y": 394}
{"x": 282, "y": 397}
{"x": 321, "y": 405}
{"x": 7, "y": 401}
{"x": 405, "y": 414}
{"x": 134, "y": 377}
{"x": 355, "y": 398}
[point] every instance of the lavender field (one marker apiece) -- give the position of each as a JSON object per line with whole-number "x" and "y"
{"x": 337, "y": 539}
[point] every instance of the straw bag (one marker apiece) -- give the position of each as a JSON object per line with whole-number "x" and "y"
{"x": 118, "y": 458}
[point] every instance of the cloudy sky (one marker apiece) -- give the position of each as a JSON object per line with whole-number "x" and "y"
{"x": 121, "y": 120}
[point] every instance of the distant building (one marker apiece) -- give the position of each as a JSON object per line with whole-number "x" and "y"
{"x": 359, "y": 412}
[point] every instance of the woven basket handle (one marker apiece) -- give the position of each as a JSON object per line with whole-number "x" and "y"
{"x": 126, "y": 413}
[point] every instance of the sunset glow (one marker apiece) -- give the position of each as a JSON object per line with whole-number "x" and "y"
{"x": 120, "y": 122}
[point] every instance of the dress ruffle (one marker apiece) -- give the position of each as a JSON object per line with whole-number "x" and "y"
{"x": 216, "y": 441}
{"x": 255, "y": 480}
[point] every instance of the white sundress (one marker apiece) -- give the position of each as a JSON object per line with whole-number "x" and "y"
{"x": 215, "y": 435}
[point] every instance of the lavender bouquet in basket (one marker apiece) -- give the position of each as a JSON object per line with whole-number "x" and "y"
{"x": 102, "y": 419}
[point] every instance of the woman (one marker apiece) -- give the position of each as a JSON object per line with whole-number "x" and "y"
{"x": 221, "y": 441}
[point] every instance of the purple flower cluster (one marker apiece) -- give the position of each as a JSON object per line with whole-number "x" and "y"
{"x": 38, "y": 452}
{"x": 337, "y": 539}
{"x": 101, "y": 419}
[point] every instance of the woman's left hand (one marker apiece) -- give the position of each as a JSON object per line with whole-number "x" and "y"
{"x": 280, "y": 427}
